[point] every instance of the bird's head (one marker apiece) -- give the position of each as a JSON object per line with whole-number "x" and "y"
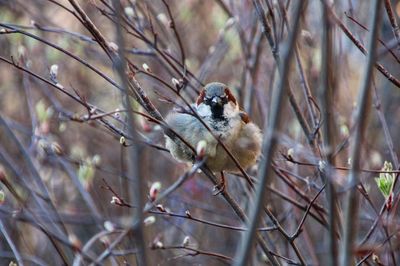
{"x": 217, "y": 101}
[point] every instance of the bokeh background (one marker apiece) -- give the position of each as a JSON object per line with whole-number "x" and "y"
{"x": 61, "y": 166}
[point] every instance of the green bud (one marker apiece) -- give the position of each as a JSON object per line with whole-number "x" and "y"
{"x": 385, "y": 181}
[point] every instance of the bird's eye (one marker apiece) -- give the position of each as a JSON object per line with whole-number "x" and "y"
{"x": 207, "y": 100}
{"x": 224, "y": 99}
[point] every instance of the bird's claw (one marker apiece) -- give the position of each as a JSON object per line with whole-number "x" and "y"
{"x": 218, "y": 189}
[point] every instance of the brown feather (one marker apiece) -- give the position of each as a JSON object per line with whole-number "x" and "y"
{"x": 200, "y": 99}
{"x": 245, "y": 117}
{"x": 230, "y": 96}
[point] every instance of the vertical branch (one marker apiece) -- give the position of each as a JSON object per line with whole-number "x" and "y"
{"x": 11, "y": 243}
{"x": 328, "y": 130}
{"x": 269, "y": 143}
{"x": 364, "y": 99}
{"x": 136, "y": 183}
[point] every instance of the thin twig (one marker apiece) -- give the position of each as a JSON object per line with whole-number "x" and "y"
{"x": 393, "y": 22}
{"x": 194, "y": 251}
{"x": 192, "y": 218}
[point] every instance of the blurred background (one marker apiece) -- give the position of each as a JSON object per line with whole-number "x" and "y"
{"x": 66, "y": 190}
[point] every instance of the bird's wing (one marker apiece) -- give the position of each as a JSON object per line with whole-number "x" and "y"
{"x": 245, "y": 117}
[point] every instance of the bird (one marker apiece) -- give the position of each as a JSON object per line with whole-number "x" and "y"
{"x": 219, "y": 110}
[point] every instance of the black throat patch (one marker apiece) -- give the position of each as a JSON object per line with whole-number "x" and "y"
{"x": 217, "y": 112}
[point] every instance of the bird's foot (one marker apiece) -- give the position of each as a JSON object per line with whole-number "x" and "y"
{"x": 218, "y": 189}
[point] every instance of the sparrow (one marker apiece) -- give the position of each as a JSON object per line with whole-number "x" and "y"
{"x": 219, "y": 109}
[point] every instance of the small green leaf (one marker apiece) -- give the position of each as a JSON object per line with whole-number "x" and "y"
{"x": 385, "y": 181}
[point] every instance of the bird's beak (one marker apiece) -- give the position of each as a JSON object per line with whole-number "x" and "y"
{"x": 216, "y": 102}
{"x": 217, "y": 108}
